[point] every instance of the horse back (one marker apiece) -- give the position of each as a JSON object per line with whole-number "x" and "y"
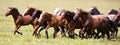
{"x": 26, "y": 20}
{"x": 97, "y": 20}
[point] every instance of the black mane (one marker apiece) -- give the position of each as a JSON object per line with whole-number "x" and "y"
{"x": 70, "y": 14}
{"x": 35, "y": 14}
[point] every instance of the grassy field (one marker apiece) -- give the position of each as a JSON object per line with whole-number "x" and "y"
{"x": 7, "y": 24}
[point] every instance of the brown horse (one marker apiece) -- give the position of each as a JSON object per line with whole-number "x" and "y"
{"x": 52, "y": 21}
{"x": 70, "y": 23}
{"x": 90, "y": 23}
{"x": 30, "y": 11}
{"x": 35, "y": 15}
{"x": 19, "y": 20}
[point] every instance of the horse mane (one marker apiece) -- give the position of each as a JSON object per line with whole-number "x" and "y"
{"x": 113, "y": 11}
{"x": 84, "y": 13}
{"x": 36, "y": 13}
{"x": 70, "y": 14}
{"x": 94, "y": 11}
{"x": 15, "y": 10}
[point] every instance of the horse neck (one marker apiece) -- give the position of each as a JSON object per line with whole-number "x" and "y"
{"x": 84, "y": 19}
{"x": 68, "y": 19}
{"x": 15, "y": 15}
{"x": 49, "y": 18}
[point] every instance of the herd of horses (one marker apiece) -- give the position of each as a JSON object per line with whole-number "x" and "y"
{"x": 91, "y": 24}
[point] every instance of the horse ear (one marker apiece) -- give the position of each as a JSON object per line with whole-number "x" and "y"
{"x": 29, "y": 6}
{"x": 10, "y": 7}
{"x": 78, "y": 9}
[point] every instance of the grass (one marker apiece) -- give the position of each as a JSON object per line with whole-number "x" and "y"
{"x": 7, "y": 24}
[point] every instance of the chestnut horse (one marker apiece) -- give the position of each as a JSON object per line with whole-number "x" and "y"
{"x": 52, "y": 21}
{"x": 19, "y": 20}
{"x": 30, "y": 11}
{"x": 71, "y": 24}
{"x": 35, "y": 15}
{"x": 90, "y": 23}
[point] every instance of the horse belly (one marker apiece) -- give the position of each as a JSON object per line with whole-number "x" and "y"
{"x": 26, "y": 21}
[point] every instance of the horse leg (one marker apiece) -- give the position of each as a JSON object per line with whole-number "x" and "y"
{"x": 16, "y": 30}
{"x": 42, "y": 27}
{"x": 39, "y": 32}
{"x": 56, "y": 30}
{"x": 108, "y": 35}
{"x": 46, "y": 32}
{"x": 63, "y": 33}
{"x": 83, "y": 32}
{"x": 115, "y": 30}
{"x": 35, "y": 30}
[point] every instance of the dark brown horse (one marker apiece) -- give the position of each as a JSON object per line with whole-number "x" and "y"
{"x": 30, "y": 11}
{"x": 19, "y": 20}
{"x": 70, "y": 24}
{"x": 52, "y": 21}
{"x": 112, "y": 11}
{"x": 35, "y": 15}
{"x": 111, "y": 15}
{"x": 90, "y": 23}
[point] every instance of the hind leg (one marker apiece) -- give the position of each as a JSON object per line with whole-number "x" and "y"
{"x": 56, "y": 30}
{"x": 63, "y": 33}
{"x": 42, "y": 27}
{"x": 16, "y": 30}
{"x": 35, "y": 30}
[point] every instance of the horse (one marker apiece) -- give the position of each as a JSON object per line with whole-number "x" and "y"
{"x": 90, "y": 23}
{"x": 71, "y": 24}
{"x": 19, "y": 20}
{"x": 35, "y": 15}
{"x": 52, "y": 21}
{"x": 115, "y": 19}
{"x": 94, "y": 11}
{"x": 32, "y": 11}
{"x": 112, "y": 11}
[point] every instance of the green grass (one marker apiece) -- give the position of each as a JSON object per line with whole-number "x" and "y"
{"x": 7, "y": 24}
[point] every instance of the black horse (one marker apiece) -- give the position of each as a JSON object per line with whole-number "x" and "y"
{"x": 112, "y": 11}
{"x": 94, "y": 11}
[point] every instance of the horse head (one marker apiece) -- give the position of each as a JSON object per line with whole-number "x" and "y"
{"x": 29, "y": 10}
{"x": 80, "y": 13}
{"x": 11, "y": 11}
